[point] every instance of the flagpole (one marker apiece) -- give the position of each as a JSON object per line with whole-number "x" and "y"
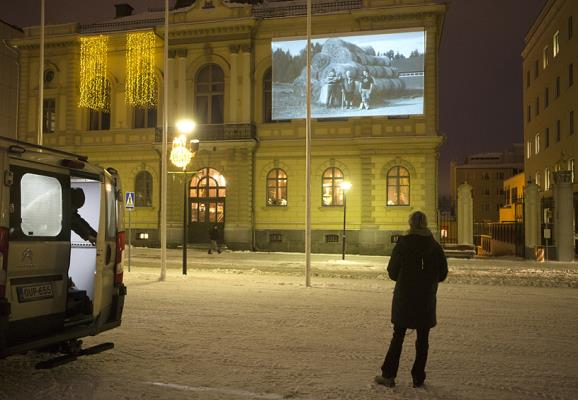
{"x": 308, "y": 156}
{"x": 164, "y": 148}
{"x": 41, "y": 78}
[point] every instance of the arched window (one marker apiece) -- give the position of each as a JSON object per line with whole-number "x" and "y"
{"x": 277, "y": 187}
{"x": 210, "y": 95}
{"x": 331, "y": 192}
{"x": 267, "y": 96}
{"x": 143, "y": 189}
{"x": 398, "y": 186}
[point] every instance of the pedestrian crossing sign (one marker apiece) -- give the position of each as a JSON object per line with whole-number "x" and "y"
{"x": 129, "y": 200}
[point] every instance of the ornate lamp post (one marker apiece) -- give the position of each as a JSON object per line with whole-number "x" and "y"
{"x": 345, "y": 186}
{"x": 181, "y": 154}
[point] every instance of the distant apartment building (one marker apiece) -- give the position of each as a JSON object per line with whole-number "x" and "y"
{"x": 486, "y": 174}
{"x": 513, "y": 208}
{"x": 8, "y": 80}
{"x": 551, "y": 97}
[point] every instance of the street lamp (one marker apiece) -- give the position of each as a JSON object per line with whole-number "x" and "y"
{"x": 345, "y": 186}
{"x": 181, "y": 154}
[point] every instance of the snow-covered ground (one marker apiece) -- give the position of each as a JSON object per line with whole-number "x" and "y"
{"x": 243, "y": 326}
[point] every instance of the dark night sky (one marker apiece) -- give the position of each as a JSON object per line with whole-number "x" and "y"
{"x": 480, "y": 67}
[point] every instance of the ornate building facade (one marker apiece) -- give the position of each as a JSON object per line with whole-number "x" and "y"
{"x": 250, "y": 169}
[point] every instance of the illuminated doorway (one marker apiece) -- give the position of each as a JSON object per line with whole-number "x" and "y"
{"x": 206, "y": 204}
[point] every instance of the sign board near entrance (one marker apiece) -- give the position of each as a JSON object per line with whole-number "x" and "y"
{"x": 129, "y": 200}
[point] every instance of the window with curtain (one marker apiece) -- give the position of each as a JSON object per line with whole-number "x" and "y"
{"x": 143, "y": 189}
{"x": 331, "y": 192}
{"x": 277, "y": 187}
{"x": 268, "y": 96}
{"x": 210, "y": 95}
{"x": 398, "y": 186}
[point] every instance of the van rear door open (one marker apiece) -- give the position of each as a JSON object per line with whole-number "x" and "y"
{"x": 39, "y": 250}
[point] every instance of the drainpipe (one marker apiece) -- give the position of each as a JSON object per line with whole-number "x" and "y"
{"x": 254, "y": 179}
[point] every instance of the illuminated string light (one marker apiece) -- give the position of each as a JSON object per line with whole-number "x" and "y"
{"x": 94, "y": 87}
{"x": 141, "y": 85}
{"x": 180, "y": 154}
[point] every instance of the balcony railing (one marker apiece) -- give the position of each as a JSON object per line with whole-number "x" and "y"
{"x": 212, "y": 132}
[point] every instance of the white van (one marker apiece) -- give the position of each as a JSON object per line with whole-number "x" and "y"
{"x": 55, "y": 286}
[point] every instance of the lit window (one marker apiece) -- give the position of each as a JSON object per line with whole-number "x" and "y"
{"x": 545, "y": 57}
{"x": 546, "y": 179}
{"x": 556, "y": 44}
{"x": 538, "y": 179}
{"x": 398, "y": 186}
{"x": 571, "y": 167}
{"x": 331, "y": 191}
{"x": 528, "y": 149}
{"x": 537, "y": 143}
{"x": 277, "y": 187}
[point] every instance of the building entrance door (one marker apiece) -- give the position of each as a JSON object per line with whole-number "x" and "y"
{"x": 207, "y": 194}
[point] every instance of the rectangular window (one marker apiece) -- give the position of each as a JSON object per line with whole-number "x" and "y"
{"x": 547, "y": 144}
{"x": 546, "y": 179}
{"x": 331, "y": 238}
{"x": 537, "y": 143}
{"x": 49, "y": 115}
{"x": 570, "y": 74}
{"x": 546, "y": 97}
{"x": 557, "y": 86}
{"x": 528, "y": 149}
{"x": 538, "y": 178}
{"x": 98, "y": 121}
{"x": 571, "y": 122}
{"x": 545, "y": 57}
{"x": 537, "y": 106}
{"x": 529, "y": 116}
{"x": 275, "y": 238}
{"x": 40, "y": 205}
{"x": 558, "y": 131}
{"x": 145, "y": 118}
{"x": 571, "y": 167}
{"x": 570, "y": 27}
{"x": 556, "y": 44}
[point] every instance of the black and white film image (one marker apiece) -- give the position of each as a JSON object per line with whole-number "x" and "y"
{"x": 351, "y": 76}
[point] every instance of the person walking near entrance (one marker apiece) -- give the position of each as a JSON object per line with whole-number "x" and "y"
{"x": 214, "y": 236}
{"x": 416, "y": 265}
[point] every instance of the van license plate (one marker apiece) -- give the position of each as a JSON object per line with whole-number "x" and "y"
{"x": 36, "y": 292}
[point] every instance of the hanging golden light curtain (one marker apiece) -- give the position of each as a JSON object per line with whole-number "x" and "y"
{"x": 94, "y": 87}
{"x": 141, "y": 85}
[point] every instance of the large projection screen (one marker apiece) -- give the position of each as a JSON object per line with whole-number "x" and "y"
{"x": 351, "y": 75}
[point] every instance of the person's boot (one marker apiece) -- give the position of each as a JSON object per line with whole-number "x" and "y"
{"x": 387, "y": 382}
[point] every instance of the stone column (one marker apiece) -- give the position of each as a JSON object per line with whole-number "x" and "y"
{"x": 246, "y": 86}
{"x": 465, "y": 215}
{"x": 234, "y": 85}
{"x": 563, "y": 215}
{"x": 532, "y": 220}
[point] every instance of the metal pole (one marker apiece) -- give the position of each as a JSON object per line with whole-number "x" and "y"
{"x": 129, "y": 237}
{"x": 344, "y": 219}
{"x": 185, "y": 209}
{"x": 164, "y": 148}
{"x": 41, "y": 78}
{"x": 308, "y": 156}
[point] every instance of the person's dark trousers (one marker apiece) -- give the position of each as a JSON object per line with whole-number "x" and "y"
{"x": 391, "y": 362}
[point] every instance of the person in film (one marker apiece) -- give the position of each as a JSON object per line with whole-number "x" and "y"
{"x": 77, "y": 223}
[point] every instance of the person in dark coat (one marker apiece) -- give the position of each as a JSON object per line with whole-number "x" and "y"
{"x": 214, "y": 237}
{"x": 77, "y": 223}
{"x": 416, "y": 265}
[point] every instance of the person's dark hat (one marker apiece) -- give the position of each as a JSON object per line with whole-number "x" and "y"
{"x": 77, "y": 198}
